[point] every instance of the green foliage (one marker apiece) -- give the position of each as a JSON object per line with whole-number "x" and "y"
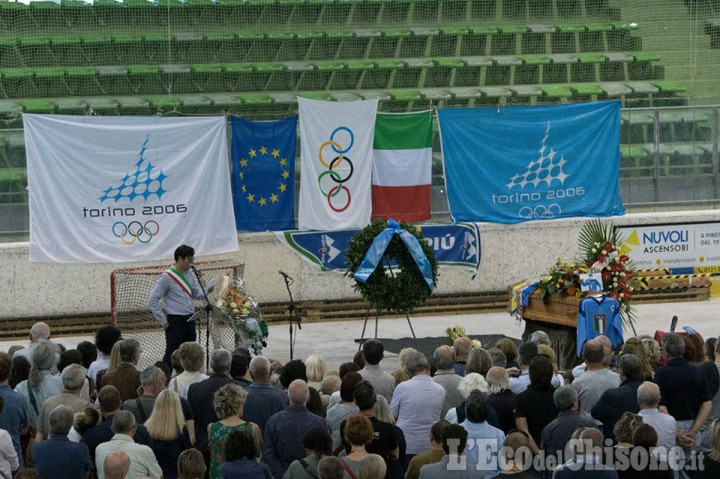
{"x": 399, "y": 290}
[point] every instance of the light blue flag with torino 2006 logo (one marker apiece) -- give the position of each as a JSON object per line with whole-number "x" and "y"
{"x": 532, "y": 163}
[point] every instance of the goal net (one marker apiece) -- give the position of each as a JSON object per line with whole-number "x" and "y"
{"x": 129, "y": 292}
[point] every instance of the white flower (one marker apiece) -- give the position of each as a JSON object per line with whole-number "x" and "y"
{"x": 604, "y": 252}
{"x": 622, "y": 273}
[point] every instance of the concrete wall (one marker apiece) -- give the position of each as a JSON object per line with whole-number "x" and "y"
{"x": 509, "y": 254}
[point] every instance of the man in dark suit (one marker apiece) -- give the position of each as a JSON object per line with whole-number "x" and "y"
{"x": 126, "y": 378}
{"x": 616, "y": 401}
{"x": 202, "y": 394}
{"x": 587, "y": 464}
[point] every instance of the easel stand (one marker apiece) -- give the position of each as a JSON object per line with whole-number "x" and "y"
{"x": 361, "y": 341}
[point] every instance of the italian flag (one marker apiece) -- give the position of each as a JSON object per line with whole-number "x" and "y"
{"x": 402, "y": 164}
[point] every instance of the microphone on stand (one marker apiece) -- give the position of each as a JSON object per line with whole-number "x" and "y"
{"x": 285, "y": 275}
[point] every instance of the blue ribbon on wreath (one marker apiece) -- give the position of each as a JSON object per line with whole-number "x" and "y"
{"x": 377, "y": 249}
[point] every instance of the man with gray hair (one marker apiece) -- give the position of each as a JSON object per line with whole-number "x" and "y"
{"x": 445, "y": 376}
{"x": 116, "y": 465}
{"x": 596, "y": 379}
{"x": 142, "y": 459}
{"x": 152, "y": 382}
{"x": 330, "y": 467}
{"x": 417, "y": 404}
{"x": 558, "y": 432}
{"x": 501, "y": 397}
{"x": 588, "y": 463}
{"x": 617, "y": 401}
{"x": 201, "y": 395}
{"x": 284, "y": 431}
{"x": 126, "y": 377}
{"x": 39, "y": 331}
{"x": 59, "y": 457}
{"x": 648, "y": 398}
{"x": 73, "y": 378}
{"x": 263, "y": 399}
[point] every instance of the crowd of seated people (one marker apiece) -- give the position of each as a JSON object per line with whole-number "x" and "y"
{"x": 502, "y": 411}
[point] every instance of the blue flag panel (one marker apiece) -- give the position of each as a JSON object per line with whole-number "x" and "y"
{"x": 263, "y": 173}
{"x": 457, "y": 245}
{"x": 532, "y": 163}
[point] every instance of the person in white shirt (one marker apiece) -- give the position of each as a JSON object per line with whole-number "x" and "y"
{"x": 142, "y": 459}
{"x": 191, "y": 358}
{"x": 648, "y": 396}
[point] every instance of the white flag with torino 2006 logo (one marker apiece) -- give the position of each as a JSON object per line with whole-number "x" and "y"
{"x": 110, "y": 189}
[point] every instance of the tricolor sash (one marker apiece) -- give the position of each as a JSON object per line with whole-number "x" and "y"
{"x": 180, "y": 279}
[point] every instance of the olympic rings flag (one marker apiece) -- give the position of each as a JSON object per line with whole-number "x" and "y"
{"x": 336, "y": 160}
{"x": 111, "y": 189}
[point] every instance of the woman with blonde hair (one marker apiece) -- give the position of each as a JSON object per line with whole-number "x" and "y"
{"x": 625, "y": 428}
{"x": 478, "y": 361}
{"x": 315, "y": 369}
{"x": 170, "y": 437}
{"x": 229, "y": 404}
{"x": 469, "y": 383}
{"x": 372, "y": 467}
{"x": 401, "y": 375}
{"x": 83, "y": 422}
{"x": 191, "y": 358}
{"x": 381, "y": 410}
{"x": 191, "y": 465}
{"x": 712, "y": 456}
{"x": 41, "y": 383}
{"x": 635, "y": 346}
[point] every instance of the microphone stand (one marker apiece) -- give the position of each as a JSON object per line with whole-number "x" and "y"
{"x": 292, "y": 314}
{"x": 208, "y": 311}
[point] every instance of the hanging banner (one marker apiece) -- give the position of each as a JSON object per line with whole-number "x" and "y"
{"x": 112, "y": 189}
{"x": 682, "y": 248}
{"x": 336, "y": 140}
{"x": 263, "y": 172}
{"x": 453, "y": 245}
{"x": 532, "y": 163}
{"x": 402, "y": 168}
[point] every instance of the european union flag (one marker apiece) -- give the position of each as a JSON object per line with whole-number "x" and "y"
{"x": 263, "y": 173}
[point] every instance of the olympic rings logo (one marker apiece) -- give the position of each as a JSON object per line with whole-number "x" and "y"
{"x": 332, "y": 193}
{"x": 136, "y": 231}
{"x": 540, "y": 211}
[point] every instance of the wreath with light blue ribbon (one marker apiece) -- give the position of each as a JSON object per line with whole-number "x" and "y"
{"x": 393, "y": 267}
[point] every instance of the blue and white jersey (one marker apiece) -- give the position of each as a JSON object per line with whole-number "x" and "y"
{"x": 599, "y": 315}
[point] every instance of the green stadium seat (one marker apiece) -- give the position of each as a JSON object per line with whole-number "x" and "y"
{"x": 616, "y": 67}
{"x": 18, "y": 83}
{"x": 537, "y": 40}
{"x": 97, "y": 49}
{"x": 586, "y": 91}
{"x": 506, "y": 41}
{"x": 667, "y": 86}
{"x": 494, "y": 94}
{"x": 161, "y": 103}
{"x": 254, "y": 99}
{"x": 38, "y": 106}
{"x": 207, "y": 77}
{"x": 588, "y": 67}
{"x": 222, "y": 47}
{"x": 643, "y": 88}
{"x": 34, "y": 51}
{"x": 187, "y": 47}
{"x": 315, "y": 95}
{"x": 283, "y": 98}
{"x": 81, "y": 81}
{"x": 128, "y": 48}
{"x": 436, "y": 95}
{"x": 556, "y": 92}
{"x": 50, "y": 82}
{"x": 145, "y": 80}
{"x": 559, "y": 69}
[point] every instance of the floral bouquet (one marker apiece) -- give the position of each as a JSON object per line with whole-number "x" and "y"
{"x": 237, "y": 309}
{"x": 600, "y": 246}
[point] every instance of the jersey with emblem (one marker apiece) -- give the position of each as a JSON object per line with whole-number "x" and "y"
{"x": 599, "y": 315}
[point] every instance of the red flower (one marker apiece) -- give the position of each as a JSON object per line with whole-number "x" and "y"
{"x": 622, "y": 283}
{"x": 567, "y": 277}
{"x": 606, "y": 276}
{"x": 628, "y": 275}
{"x": 624, "y": 258}
{"x": 614, "y": 294}
{"x": 608, "y": 246}
{"x": 590, "y": 263}
{"x": 616, "y": 267}
{"x": 627, "y": 294}
{"x": 601, "y": 258}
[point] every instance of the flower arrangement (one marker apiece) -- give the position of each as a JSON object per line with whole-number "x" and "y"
{"x": 600, "y": 247}
{"x": 237, "y": 309}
